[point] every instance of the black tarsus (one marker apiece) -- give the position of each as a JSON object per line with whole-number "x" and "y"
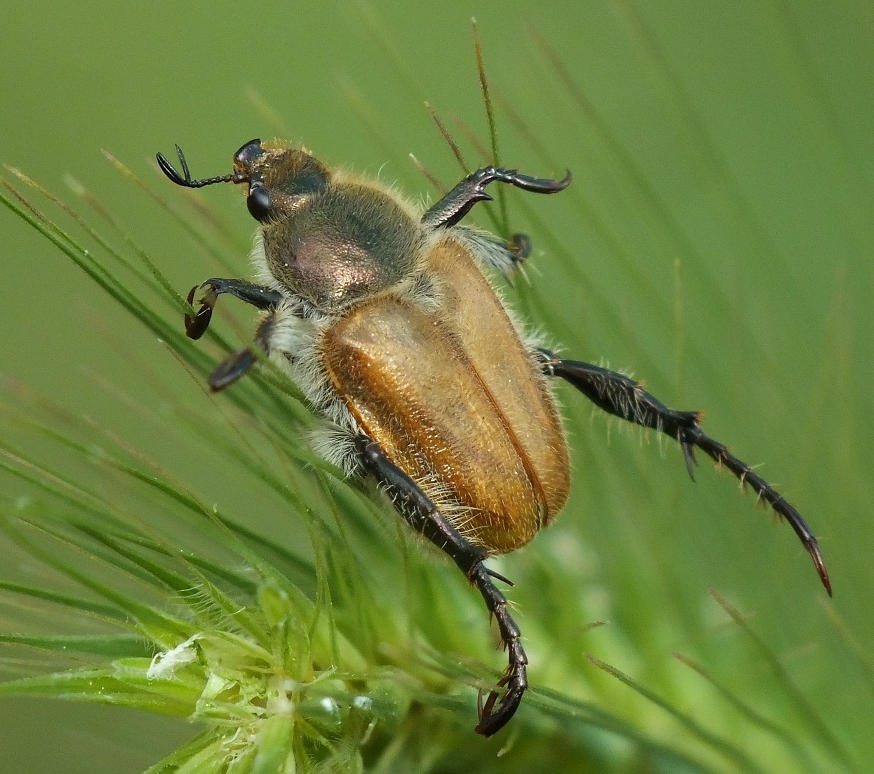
{"x": 459, "y": 201}
{"x": 257, "y": 295}
{"x": 621, "y": 396}
{"x": 423, "y": 515}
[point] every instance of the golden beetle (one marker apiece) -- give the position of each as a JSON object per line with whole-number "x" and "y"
{"x": 383, "y": 317}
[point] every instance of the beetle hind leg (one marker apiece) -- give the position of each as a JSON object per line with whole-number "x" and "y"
{"x": 422, "y": 514}
{"x": 623, "y": 397}
{"x": 504, "y": 699}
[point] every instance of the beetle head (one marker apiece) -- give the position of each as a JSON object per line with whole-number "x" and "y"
{"x": 330, "y": 242}
{"x": 279, "y": 179}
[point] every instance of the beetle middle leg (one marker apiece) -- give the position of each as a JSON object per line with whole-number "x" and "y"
{"x": 623, "y": 397}
{"x": 424, "y": 516}
{"x": 459, "y": 201}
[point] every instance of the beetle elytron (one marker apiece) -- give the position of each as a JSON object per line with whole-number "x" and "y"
{"x": 384, "y": 318}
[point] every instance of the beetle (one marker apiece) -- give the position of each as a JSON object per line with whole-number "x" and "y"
{"x": 385, "y": 319}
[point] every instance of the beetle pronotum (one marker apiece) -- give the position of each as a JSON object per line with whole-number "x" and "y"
{"x": 383, "y": 317}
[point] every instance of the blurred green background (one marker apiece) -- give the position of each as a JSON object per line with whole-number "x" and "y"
{"x": 716, "y": 242}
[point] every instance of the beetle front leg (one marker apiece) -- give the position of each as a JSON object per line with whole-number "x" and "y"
{"x": 237, "y": 363}
{"x": 422, "y": 514}
{"x": 257, "y": 295}
{"x": 459, "y": 201}
{"x": 623, "y": 397}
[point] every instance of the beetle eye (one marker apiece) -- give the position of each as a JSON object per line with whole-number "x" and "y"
{"x": 258, "y": 202}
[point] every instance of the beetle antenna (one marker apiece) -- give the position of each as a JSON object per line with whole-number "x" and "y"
{"x": 185, "y": 179}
